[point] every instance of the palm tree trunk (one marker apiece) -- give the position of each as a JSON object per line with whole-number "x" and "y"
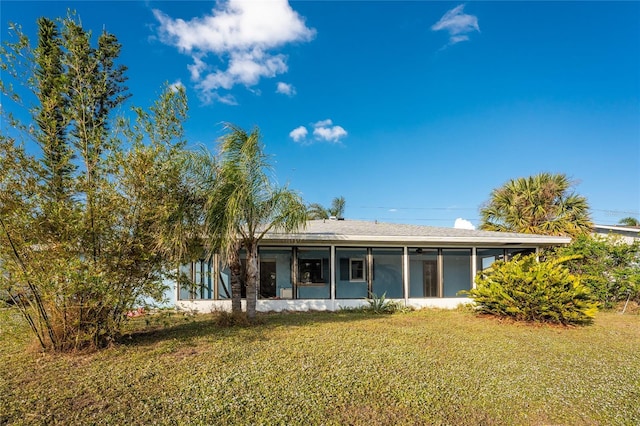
{"x": 252, "y": 280}
{"x": 236, "y": 287}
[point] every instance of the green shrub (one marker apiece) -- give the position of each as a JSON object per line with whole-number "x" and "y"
{"x": 608, "y": 266}
{"x": 381, "y": 305}
{"x": 527, "y": 290}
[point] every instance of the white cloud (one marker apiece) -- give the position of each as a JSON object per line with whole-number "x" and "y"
{"x": 299, "y": 134}
{"x": 329, "y": 134}
{"x": 242, "y": 34}
{"x": 458, "y": 24}
{"x": 197, "y": 67}
{"x": 285, "y": 89}
{"x": 325, "y": 130}
{"x": 461, "y": 223}
{"x": 323, "y": 123}
{"x": 244, "y": 68}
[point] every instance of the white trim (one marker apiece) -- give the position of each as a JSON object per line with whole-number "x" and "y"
{"x": 405, "y": 275}
{"x": 622, "y": 228}
{"x": 474, "y": 266}
{"x": 301, "y": 305}
{"x": 332, "y": 272}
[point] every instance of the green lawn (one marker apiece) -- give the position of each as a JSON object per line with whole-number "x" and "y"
{"x": 424, "y": 367}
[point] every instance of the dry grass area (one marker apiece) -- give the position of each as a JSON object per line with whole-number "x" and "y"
{"x": 425, "y": 367}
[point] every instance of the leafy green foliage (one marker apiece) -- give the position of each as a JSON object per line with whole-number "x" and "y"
{"x": 629, "y": 221}
{"x": 381, "y": 305}
{"x": 527, "y": 290}
{"x": 317, "y": 211}
{"x": 82, "y": 222}
{"x": 242, "y": 204}
{"x": 608, "y": 266}
{"x": 541, "y": 204}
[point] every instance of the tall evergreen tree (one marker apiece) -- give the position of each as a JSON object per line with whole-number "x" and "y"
{"x": 50, "y": 114}
{"x": 95, "y": 86}
{"x": 81, "y": 224}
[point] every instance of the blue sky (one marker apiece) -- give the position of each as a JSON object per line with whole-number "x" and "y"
{"x": 413, "y": 111}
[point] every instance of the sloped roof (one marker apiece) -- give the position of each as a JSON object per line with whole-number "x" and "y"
{"x": 353, "y": 231}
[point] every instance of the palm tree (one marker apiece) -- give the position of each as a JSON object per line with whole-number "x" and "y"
{"x": 629, "y": 221}
{"x": 540, "y": 204}
{"x": 245, "y": 205}
{"x": 317, "y": 211}
{"x": 337, "y": 207}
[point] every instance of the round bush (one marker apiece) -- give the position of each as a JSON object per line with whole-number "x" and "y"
{"x": 527, "y": 290}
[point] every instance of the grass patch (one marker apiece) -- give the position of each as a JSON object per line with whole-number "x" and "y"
{"x": 422, "y": 367}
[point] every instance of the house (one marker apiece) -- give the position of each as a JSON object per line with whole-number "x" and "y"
{"x": 333, "y": 264}
{"x": 627, "y": 234}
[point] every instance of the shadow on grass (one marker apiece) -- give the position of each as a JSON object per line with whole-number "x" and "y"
{"x": 151, "y": 330}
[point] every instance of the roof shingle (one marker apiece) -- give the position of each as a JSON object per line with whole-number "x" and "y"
{"x": 364, "y": 231}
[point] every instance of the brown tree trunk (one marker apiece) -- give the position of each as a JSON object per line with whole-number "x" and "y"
{"x": 252, "y": 280}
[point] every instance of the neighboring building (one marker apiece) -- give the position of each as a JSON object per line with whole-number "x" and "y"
{"x": 339, "y": 263}
{"x": 628, "y": 234}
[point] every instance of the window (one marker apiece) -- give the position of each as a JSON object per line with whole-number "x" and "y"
{"x": 356, "y": 270}
{"x": 313, "y": 272}
{"x": 310, "y": 271}
{"x": 352, "y": 273}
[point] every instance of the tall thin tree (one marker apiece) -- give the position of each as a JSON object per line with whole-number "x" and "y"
{"x": 50, "y": 113}
{"x": 247, "y": 205}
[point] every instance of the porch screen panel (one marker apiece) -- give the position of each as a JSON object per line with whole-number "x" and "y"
{"x": 281, "y": 276}
{"x": 224, "y": 283}
{"x": 196, "y": 281}
{"x": 314, "y": 279}
{"x": 456, "y": 265}
{"x": 387, "y": 272}
{"x": 185, "y": 283}
{"x": 423, "y": 272}
{"x": 204, "y": 279}
{"x": 351, "y": 273}
{"x": 224, "y": 278}
{"x": 486, "y": 256}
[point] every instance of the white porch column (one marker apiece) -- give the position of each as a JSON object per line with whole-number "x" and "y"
{"x": 474, "y": 267}
{"x": 405, "y": 275}
{"x": 332, "y": 271}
